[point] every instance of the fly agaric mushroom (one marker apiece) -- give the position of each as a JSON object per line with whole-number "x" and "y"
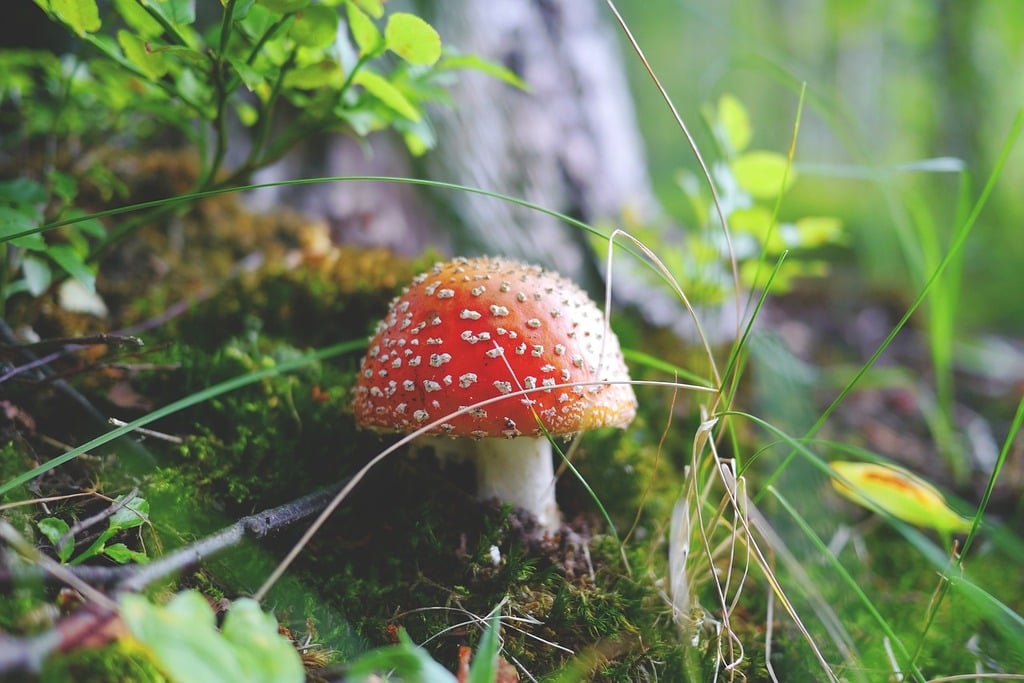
{"x": 470, "y": 330}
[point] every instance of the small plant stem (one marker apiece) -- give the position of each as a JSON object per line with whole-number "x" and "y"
{"x": 106, "y": 513}
{"x": 225, "y": 29}
{"x": 253, "y": 160}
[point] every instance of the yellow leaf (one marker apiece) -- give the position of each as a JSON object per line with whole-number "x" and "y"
{"x": 734, "y": 123}
{"x": 761, "y": 173}
{"x": 896, "y": 491}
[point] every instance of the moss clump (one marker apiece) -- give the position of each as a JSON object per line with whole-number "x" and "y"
{"x": 120, "y": 661}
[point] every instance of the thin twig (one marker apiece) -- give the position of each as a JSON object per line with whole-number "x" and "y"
{"x": 76, "y": 342}
{"x": 135, "y": 577}
{"x": 106, "y": 513}
{"x": 142, "y": 431}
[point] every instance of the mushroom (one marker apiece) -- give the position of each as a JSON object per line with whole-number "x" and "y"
{"x": 475, "y": 329}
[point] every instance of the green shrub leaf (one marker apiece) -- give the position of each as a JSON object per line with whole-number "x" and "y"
{"x": 140, "y": 21}
{"x": 263, "y": 654}
{"x": 132, "y": 514}
{"x": 81, "y": 16}
{"x": 186, "y": 643}
{"x": 381, "y": 88}
{"x": 482, "y": 65}
{"x": 412, "y": 39}
{"x": 325, "y": 73}
{"x": 364, "y": 31}
{"x": 153, "y": 64}
{"x": 73, "y": 264}
{"x": 761, "y": 173}
{"x": 315, "y": 27}
{"x": 733, "y": 124}
{"x": 283, "y": 6}
{"x": 406, "y": 660}
{"x": 54, "y": 529}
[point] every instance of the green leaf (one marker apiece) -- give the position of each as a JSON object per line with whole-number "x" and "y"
{"x": 761, "y": 173}
{"x": 247, "y": 113}
{"x": 405, "y": 660}
{"x": 283, "y": 6}
{"x": 252, "y": 77}
{"x": 326, "y": 73}
{"x": 73, "y": 264}
{"x": 482, "y": 65}
{"x": 90, "y": 226}
{"x": 182, "y": 637}
{"x": 412, "y": 39}
{"x": 81, "y": 16}
{"x": 54, "y": 529}
{"x": 817, "y": 231}
{"x": 180, "y": 12}
{"x": 381, "y": 88}
{"x": 95, "y": 548}
{"x": 375, "y": 8}
{"x": 134, "y": 513}
{"x": 13, "y": 221}
{"x": 64, "y": 185}
{"x": 733, "y": 125}
{"x": 153, "y": 64}
{"x": 185, "y": 642}
{"x": 368, "y": 38}
{"x": 22, "y": 191}
{"x": 418, "y": 135}
{"x": 757, "y": 221}
{"x": 37, "y": 274}
{"x": 315, "y": 27}
{"x": 138, "y": 19}
{"x": 119, "y": 553}
{"x": 484, "y": 668}
{"x": 263, "y": 654}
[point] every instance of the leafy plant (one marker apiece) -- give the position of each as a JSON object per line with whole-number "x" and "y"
{"x": 750, "y": 185}
{"x": 185, "y": 641}
{"x": 281, "y": 70}
{"x": 130, "y": 515}
{"x": 408, "y": 662}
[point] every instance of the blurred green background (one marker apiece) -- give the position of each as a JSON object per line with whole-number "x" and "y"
{"x": 889, "y": 84}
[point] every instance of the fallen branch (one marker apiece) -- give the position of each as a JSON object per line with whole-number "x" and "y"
{"x": 28, "y": 654}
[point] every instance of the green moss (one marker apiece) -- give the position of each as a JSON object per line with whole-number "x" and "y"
{"x": 114, "y": 663}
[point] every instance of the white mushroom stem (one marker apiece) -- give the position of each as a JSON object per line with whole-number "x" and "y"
{"x": 519, "y": 471}
{"x": 516, "y": 471}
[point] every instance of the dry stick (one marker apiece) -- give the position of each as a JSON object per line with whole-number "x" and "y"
{"x": 60, "y": 385}
{"x": 76, "y": 342}
{"x": 136, "y": 577}
{"x": 254, "y": 526}
{"x": 28, "y": 654}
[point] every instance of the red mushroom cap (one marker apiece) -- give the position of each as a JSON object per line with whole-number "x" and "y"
{"x": 475, "y": 329}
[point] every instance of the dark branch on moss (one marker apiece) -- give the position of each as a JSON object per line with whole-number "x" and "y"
{"x": 135, "y": 577}
{"x": 97, "y": 621}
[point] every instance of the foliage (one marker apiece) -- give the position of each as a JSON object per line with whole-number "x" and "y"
{"x": 407, "y": 662}
{"x": 183, "y": 638}
{"x": 282, "y": 70}
{"x": 134, "y": 513}
{"x": 750, "y": 184}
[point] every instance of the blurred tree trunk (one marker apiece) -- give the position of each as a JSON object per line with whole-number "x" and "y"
{"x": 570, "y": 144}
